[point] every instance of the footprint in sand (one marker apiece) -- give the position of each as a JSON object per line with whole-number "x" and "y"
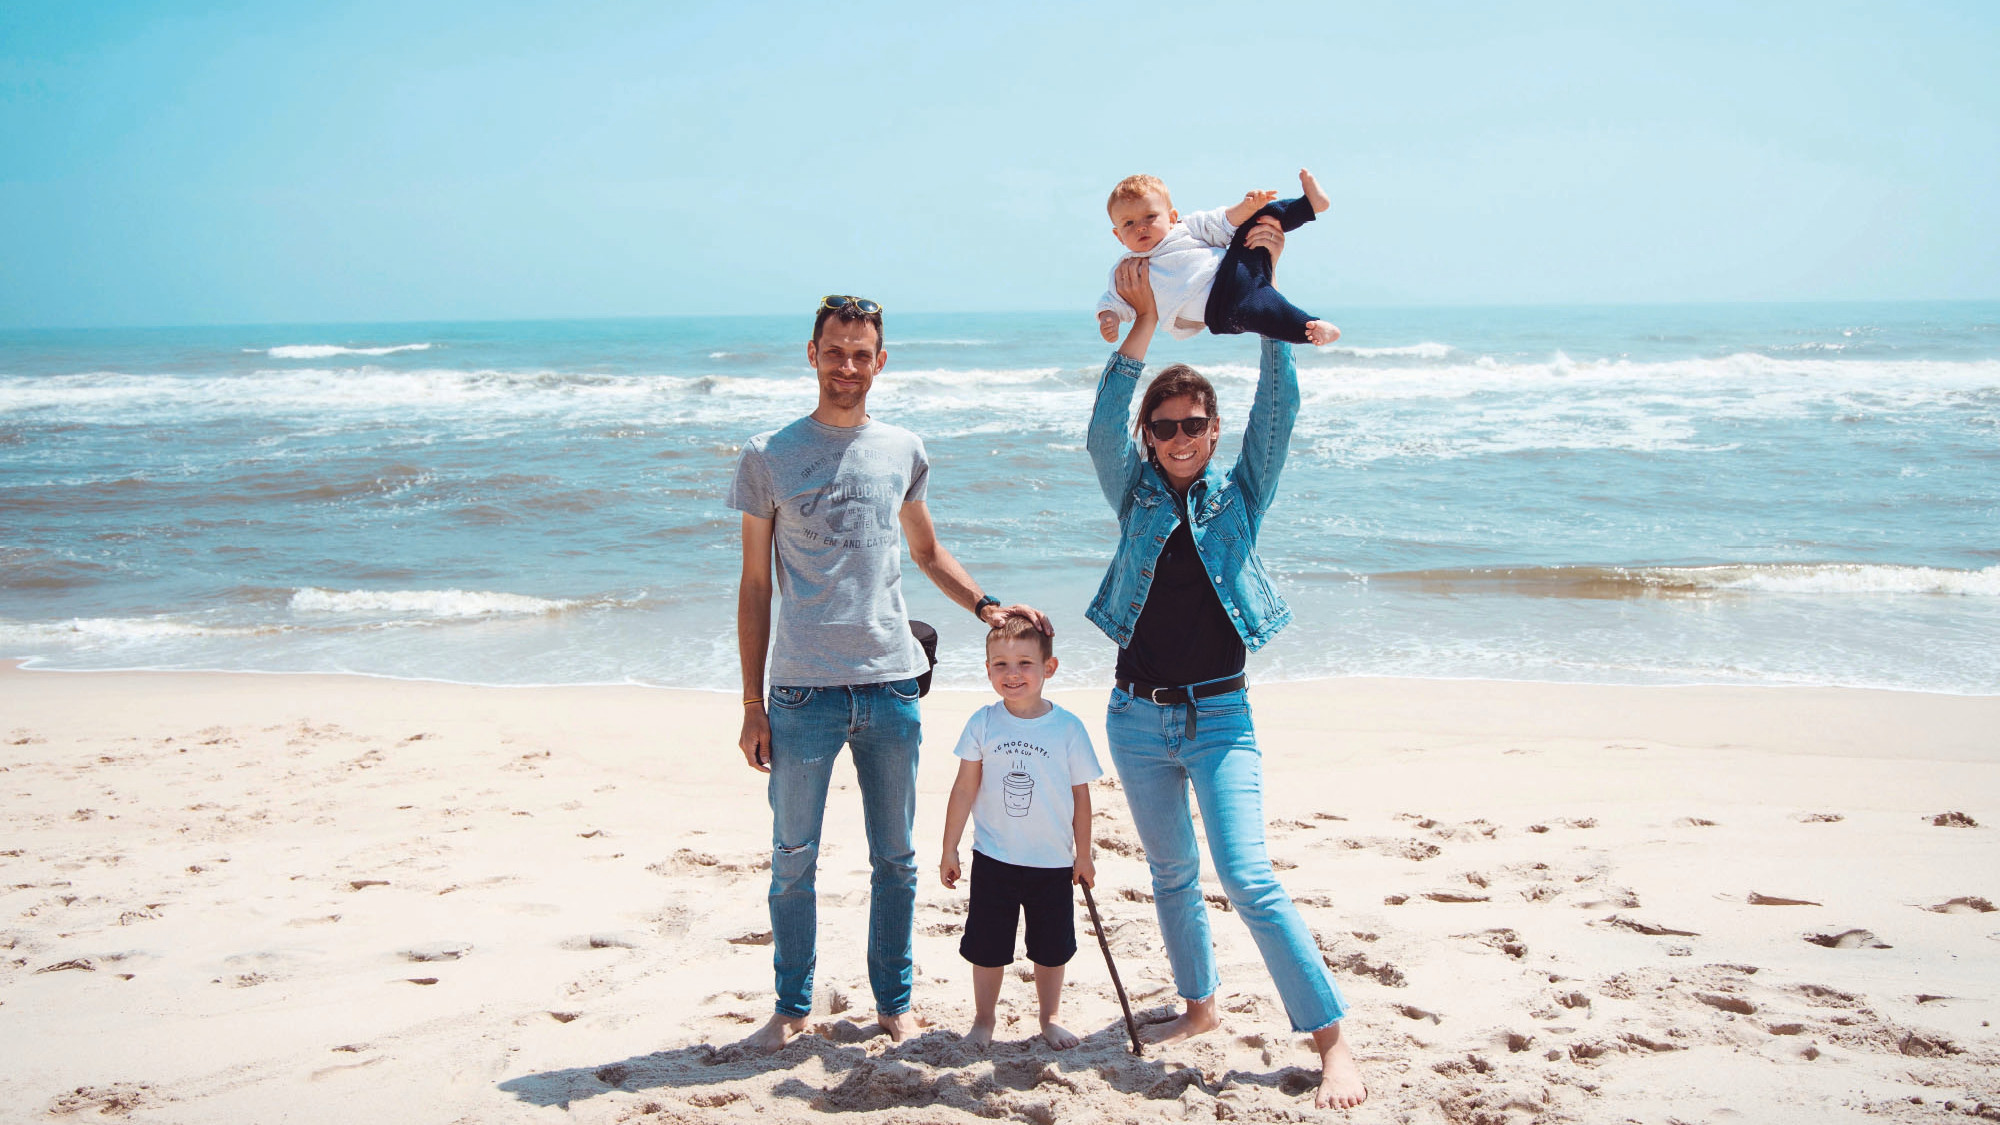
{"x": 1848, "y": 939}
{"x": 609, "y": 940}
{"x": 118, "y": 1099}
{"x": 1650, "y": 929}
{"x": 1954, "y": 820}
{"x": 437, "y": 951}
{"x": 1757, "y": 899}
{"x": 1966, "y": 904}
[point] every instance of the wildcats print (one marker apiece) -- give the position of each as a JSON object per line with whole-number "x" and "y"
{"x": 858, "y": 507}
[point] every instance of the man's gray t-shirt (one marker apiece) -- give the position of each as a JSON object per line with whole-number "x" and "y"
{"x": 835, "y": 494}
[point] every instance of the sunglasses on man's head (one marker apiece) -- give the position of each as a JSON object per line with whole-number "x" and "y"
{"x": 1163, "y": 428}
{"x": 862, "y": 305}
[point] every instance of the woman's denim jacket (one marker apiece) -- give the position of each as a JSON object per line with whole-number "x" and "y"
{"x": 1225, "y": 510}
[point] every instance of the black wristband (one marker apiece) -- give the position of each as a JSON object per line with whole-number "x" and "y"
{"x": 979, "y": 607}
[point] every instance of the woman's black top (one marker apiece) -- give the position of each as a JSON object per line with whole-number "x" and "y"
{"x": 1183, "y": 636}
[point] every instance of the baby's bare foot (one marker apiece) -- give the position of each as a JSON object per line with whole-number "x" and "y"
{"x": 1058, "y": 1036}
{"x": 772, "y": 1037}
{"x": 1314, "y": 194}
{"x": 981, "y": 1035}
{"x": 1321, "y": 333}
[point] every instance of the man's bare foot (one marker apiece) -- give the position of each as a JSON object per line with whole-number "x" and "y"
{"x": 1321, "y": 333}
{"x": 1199, "y": 1017}
{"x": 1314, "y": 194}
{"x": 981, "y": 1034}
{"x": 776, "y": 1032}
{"x": 1340, "y": 1085}
{"x": 1058, "y": 1036}
{"x": 900, "y": 1027}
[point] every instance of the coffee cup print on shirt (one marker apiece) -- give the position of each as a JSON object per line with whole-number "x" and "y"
{"x": 1020, "y": 790}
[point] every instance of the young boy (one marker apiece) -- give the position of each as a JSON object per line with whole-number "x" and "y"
{"x": 1202, "y": 274}
{"x": 1025, "y": 781}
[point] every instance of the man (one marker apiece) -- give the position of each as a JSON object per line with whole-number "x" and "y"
{"x": 832, "y": 497}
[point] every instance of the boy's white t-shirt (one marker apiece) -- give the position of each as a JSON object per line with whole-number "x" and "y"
{"x": 1024, "y": 811}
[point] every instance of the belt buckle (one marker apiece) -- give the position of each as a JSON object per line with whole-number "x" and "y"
{"x": 1154, "y": 695}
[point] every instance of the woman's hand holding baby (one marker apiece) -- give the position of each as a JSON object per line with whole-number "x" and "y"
{"x": 1267, "y": 235}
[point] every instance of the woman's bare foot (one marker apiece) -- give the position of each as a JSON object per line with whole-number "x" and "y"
{"x": 1321, "y": 333}
{"x": 981, "y": 1034}
{"x": 1314, "y": 194}
{"x": 1199, "y": 1017}
{"x": 1058, "y": 1036}
{"x": 900, "y": 1027}
{"x": 776, "y": 1032}
{"x": 1340, "y": 1085}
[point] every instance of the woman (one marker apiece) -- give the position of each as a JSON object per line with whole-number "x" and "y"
{"x": 1186, "y": 597}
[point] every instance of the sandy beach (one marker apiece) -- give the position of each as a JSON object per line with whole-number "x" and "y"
{"x": 232, "y": 898}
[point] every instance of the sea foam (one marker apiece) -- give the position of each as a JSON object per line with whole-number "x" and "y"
{"x": 327, "y": 351}
{"x": 423, "y": 603}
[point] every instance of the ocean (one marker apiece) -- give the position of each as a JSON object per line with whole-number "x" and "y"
{"x": 1747, "y": 494}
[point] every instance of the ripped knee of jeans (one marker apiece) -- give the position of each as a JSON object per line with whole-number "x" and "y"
{"x": 793, "y": 864}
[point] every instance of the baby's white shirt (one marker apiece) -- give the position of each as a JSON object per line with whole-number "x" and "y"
{"x": 1182, "y": 271}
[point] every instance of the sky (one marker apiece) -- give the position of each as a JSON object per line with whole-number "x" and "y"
{"x": 215, "y": 163}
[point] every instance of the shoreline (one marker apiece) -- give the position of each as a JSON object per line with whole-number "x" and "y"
{"x": 333, "y": 897}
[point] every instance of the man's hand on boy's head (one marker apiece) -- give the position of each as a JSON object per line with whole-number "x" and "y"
{"x": 993, "y": 615}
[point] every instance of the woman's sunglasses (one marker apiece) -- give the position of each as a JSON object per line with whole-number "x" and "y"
{"x": 861, "y": 305}
{"x": 1163, "y": 428}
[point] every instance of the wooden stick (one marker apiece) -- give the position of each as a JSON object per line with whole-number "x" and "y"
{"x": 1103, "y": 943}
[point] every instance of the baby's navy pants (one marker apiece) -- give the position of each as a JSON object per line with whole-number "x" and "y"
{"x": 1243, "y": 299}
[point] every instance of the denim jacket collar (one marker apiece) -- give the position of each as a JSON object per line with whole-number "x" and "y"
{"x": 1204, "y": 494}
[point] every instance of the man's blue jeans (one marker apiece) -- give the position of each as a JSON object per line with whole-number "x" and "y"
{"x": 808, "y": 727}
{"x": 1157, "y": 764}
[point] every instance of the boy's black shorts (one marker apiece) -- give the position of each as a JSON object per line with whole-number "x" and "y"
{"x": 1001, "y": 893}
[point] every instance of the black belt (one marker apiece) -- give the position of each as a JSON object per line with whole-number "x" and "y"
{"x": 1168, "y": 696}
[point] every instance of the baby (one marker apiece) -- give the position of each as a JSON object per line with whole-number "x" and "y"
{"x": 1202, "y": 273}
{"x": 1024, "y": 779}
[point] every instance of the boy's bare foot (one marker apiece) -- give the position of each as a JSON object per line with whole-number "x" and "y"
{"x": 1059, "y": 1037}
{"x": 1340, "y": 1085}
{"x": 981, "y": 1034}
{"x": 776, "y": 1032}
{"x": 1314, "y": 194}
{"x": 900, "y": 1027}
{"x": 1321, "y": 333}
{"x": 1199, "y": 1017}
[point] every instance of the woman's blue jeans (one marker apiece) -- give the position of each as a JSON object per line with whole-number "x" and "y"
{"x": 1157, "y": 765}
{"x": 809, "y": 725}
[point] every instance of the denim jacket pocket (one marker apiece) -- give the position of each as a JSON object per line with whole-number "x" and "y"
{"x": 790, "y": 697}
